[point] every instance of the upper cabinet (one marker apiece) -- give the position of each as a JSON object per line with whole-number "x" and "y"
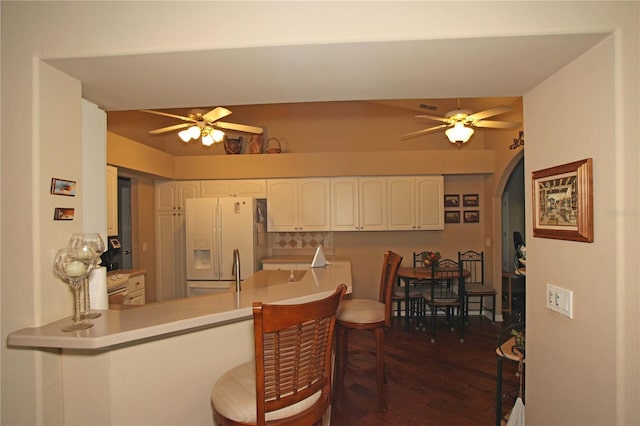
{"x": 297, "y": 205}
{"x": 171, "y": 194}
{"x": 359, "y": 204}
{"x": 415, "y": 203}
{"x": 112, "y": 201}
{"x": 256, "y": 188}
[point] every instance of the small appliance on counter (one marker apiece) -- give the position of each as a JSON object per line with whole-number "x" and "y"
{"x": 112, "y": 257}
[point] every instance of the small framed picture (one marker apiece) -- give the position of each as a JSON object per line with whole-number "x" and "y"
{"x": 471, "y": 216}
{"x": 63, "y": 213}
{"x": 470, "y": 200}
{"x": 63, "y": 187}
{"x": 452, "y": 216}
{"x": 451, "y": 200}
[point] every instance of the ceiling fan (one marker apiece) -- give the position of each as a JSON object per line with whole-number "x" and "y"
{"x": 203, "y": 124}
{"x": 460, "y": 123}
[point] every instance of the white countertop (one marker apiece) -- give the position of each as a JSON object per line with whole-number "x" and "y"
{"x": 155, "y": 320}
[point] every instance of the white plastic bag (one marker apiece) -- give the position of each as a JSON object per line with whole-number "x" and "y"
{"x": 516, "y": 418}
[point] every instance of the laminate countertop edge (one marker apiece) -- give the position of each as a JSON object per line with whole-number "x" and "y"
{"x": 115, "y": 328}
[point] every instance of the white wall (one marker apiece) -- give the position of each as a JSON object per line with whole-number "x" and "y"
{"x": 31, "y": 393}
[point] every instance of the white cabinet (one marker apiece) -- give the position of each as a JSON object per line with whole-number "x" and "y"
{"x": 171, "y": 194}
{"x": 415, "y": 203}
{"x": 112, "y": 201}
{"x": 298, "y": 205}
{"x": 170, "y": 203}
{"x": 256, "y": 188}
{"x": 359, "y": 204}
{"x": 170, "y": 255}
{"x": 135, "y": 291}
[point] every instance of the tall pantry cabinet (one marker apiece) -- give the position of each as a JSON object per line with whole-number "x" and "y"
{"x": 170, "y": 203}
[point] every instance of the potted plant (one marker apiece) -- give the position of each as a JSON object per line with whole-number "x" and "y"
{"x": 520, "y": 340}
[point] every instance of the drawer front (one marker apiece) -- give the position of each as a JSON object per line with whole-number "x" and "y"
{"x": 135, "y": 284}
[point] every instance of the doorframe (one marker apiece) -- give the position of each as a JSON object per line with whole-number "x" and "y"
{"x": 497, "y": 230}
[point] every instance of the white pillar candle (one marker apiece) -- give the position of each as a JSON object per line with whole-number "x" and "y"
{"x": 76, "y": 269}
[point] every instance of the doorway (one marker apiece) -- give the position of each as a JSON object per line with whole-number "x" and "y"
{"x": 513, "y": 222}
{"x": 124, "y": 223}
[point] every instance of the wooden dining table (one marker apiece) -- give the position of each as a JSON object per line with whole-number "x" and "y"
{"x": 407, "y": 273}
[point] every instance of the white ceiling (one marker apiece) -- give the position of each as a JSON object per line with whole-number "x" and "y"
{"x": 422, "y": 71}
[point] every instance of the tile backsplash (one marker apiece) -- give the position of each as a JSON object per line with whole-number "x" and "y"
{"x": 300, "y": 240}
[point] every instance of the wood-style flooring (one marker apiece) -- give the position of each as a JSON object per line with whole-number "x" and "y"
{"x": 441, "y": 383}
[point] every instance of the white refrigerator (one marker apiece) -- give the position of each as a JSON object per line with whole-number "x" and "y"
{"x": 215, "y": 227}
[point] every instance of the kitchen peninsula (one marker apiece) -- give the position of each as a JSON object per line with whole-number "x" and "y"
{"x": 156, "y": 363}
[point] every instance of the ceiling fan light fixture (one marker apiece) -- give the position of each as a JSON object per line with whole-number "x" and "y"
{"x": 207, "y": 140}
{"x": 459, "y": 133}
{"x": 218, "y": 135}
{"x": 185, "y": 136}
{"x": 194, "y": 132}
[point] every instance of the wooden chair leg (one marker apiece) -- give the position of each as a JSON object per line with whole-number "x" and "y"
{"x": 341, "y": 358}
{"x": 380, "y": 373}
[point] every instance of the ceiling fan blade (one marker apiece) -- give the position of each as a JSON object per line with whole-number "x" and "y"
{"x": 239, "y": 127}
{"x": 422, "y": 132}
{"x": 489, "y": 113}
{"x": 433, "y": 118}
{"x": 171, "y": 128}
{"x": 166, "y": 114}
{"x": 216, "y": 114}
{"x": 498, "y": 124}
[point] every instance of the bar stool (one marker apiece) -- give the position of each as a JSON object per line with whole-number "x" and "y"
{"x": 290, "y": 380}
{"x": 372, "y": 315}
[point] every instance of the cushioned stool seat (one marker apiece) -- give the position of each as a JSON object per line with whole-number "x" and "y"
{"x": 234, "y": 396}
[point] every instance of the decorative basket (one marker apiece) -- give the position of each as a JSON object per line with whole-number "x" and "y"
{"x": 273, "y": 146}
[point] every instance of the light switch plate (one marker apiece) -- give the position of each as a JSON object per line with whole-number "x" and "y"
{"x": 559, "y": 300}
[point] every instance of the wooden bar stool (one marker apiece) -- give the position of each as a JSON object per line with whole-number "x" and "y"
{"x": 289, "y": 383}
{"x": 372, "y": 315}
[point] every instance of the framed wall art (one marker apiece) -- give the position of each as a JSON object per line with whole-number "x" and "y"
{"x": 563, "y": 202}
{"x": 470, "y": 200}
{"x": 471, "y": 216}
{"x": 451, "y": 200}
{"x": 452, "y": 216}
{"x": 63, "y": 187}
{"x": 63, "y": 213}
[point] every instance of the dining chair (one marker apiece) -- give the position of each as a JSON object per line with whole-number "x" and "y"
{"x": 368, "y": 315}
{"x": 446, "y": 295}
{"x": 415, "y": 308}
{"x": 474, "y": 286}
{"x": 289, "y": 382}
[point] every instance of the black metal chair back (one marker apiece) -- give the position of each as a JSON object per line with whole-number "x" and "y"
{"x": 446, "y": 295}
{"x": 473, "y": 262}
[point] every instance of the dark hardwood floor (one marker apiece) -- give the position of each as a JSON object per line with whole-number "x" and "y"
{"x": 441, "y": 383}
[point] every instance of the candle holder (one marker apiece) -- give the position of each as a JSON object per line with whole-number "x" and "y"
{"x": 73, "y": 267}
{"x": 84, "y": 241}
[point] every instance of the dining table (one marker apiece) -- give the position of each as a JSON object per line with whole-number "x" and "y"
{"x": 407, "y": 273}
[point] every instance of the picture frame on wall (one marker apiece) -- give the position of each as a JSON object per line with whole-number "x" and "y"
{"x": 470, "y": 200}
{"x": 63, "y": 213}
{"x": 452, "y": 216}
{"x": 471, "y": 216}
{"x": 563, "y": 201}
{"x": 452, "y": 200}
{"x": 63, "y": 187}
